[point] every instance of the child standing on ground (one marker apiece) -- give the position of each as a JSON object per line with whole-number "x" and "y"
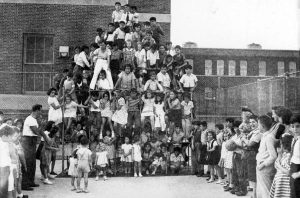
{"x": 129, "y": 54}
{"x": 137, "y": 157}
{"x": 213, "y": 156}
{"x": 84, "y": 156}
{"x": 120, "y": 115}
{"x": 72, "y": 171}
{"x": 281, "y": 182}
{"x": 101, "y": 161}
{"x": 127, "y": 156}
{"x": 109, "y": 142}
{"x": 140, "y": 57}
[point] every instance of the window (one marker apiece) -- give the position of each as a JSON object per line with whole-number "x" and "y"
{"x": 231, "y": 68}
{"x": 280, "y": 66}
{"x": 220, "y": 67}
{"x": 262, "y": 68}
{"x": 243, "y": 68}
{"x": 208, "y": 67}
{"x": 208, "y": 92}
{"x": 38, "y": 49}
{"x": 292, "y": 68}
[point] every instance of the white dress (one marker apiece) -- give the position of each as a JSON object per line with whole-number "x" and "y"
{"x": 120, "y": 116}
{"x": 102, "y": 158}
{"x": 137, "y": 155}
{"x": 126, "y": 148}
{"x": 71, "y": 109}
{"x": 54, "y": 115}
{"x": 159, "y": 118}
{"x": 148, "y": 107}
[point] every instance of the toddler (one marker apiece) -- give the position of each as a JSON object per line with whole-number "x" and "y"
{"x": 127, "y": 156}
{"x": 84, "y": 164}
{"x": 137, "y": 156}
{"x": 101, "y": 161}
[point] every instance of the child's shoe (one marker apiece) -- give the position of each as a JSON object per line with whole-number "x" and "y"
{"x": 135, "y": 175}
{"x": 153, "y": 173}
{"x": 51, "y": 176}
{"x": 105, "y": 178}
{"x": 79, "y": 190}
{"x": 140, "y": 175}
{"x": 97, "y": 178}
{"x": 101, "y": 173}
{"x": 73, "y": 188}
{"x": 46, "y": 181}
{"x": 147, "y": 172}
{"x": 85, "y": 191}
{"x": 219, "y": 182}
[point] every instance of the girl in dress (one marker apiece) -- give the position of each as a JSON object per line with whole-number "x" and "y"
{"x": 128, "y": 54}
{"x": 281, "y": 183}
{"x": 109, "y": 142}
{"x": 101, "y": 161}
{"x": 55, "y": 113}
{"x": 103, "y": 83}
{"x": 159, "y": 113}
{"x": 140, "y": 57}
{"x": 103, "y": 63}
{"x": 72, "y": 171}
{"x": 137, "y": 157}
{"x": 148, "y": 108}
{"x": 213, "y": 156}
{"x": 70, "y": 111}
{"x": 120, "y": 115}
{"x": 226, "y": 160}
{"x": 127, "y": 155}
{"x": 106, "y": 113}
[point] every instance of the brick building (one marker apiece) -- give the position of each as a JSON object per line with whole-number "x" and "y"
{"x": 32, "y": 31}
{"x": 220, "y": 69}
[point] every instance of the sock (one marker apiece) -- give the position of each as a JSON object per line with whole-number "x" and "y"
{"x": 20, "y": 195}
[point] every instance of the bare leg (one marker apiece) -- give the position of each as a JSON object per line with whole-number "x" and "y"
{"x": 86, "y": 180}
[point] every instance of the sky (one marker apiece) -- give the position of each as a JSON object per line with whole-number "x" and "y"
{"x": 273, "y": 24}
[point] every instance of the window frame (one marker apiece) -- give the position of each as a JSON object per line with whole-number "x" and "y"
{"x": 25, "y": 49}
{"x": 232, "y": 69}
{"x": 246, "y": 65}
{"x": 206, "y": 66}
{"x": 262, "y": 65}
{"x": 218, "y": 67}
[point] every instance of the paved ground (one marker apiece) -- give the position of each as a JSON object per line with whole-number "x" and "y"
{"x": 166, "y": 187}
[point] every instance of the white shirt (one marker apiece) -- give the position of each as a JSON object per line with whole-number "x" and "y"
{"x": 164, "y": 78}
{"x": 120, "y": 33}
{"x": 110, "y": 37}
{"x": 104, "y": 84}
{"x": 47, "y": 134}
{"x": 128, "y": 36}
{"x": 82, "y": 60}
{"x": 152, "y": 57}
{"x": 124, "y": 17}
{"x": 187, "y": 107}
{"x": 5, "y": 159}
{"x": 171, "y": 52}
{"x": 29, "y": 121}
{"x": 70, "y": 110}
{"x": 188, "y": 81}
{"x": 141, "y": 58}
{"x": 76, "y": 57}
{"x": 117, "y": 15}
{"x": 126, "y": 148}
{"x": 296, "y": 152}
{"x": 102, "y": 158}
{"x": 97, "y": 104}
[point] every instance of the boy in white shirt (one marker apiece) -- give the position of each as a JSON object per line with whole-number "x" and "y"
{"x": 117, "y": 14}
{"x": 153, "y": 84}
{"x": 127, "y": 16}
{"x": 188, "y": 80}
{"x": 120, "y": 35}
{"x": 140, "y": 56}
{"x": 152, "y": 57}
{"x": 164, "y": 78}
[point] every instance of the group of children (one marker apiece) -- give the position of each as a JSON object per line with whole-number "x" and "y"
{"x": 259, "y": 154}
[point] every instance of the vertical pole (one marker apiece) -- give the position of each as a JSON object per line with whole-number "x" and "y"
{"x": 63, "y": 135}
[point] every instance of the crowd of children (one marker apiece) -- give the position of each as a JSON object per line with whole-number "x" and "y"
{"x": 125, "y": 107}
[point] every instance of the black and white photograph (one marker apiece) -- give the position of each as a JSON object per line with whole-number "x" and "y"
{"x": 149, "y": 98}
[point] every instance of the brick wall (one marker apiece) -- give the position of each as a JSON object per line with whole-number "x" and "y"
{"x": 71, "y": 25}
